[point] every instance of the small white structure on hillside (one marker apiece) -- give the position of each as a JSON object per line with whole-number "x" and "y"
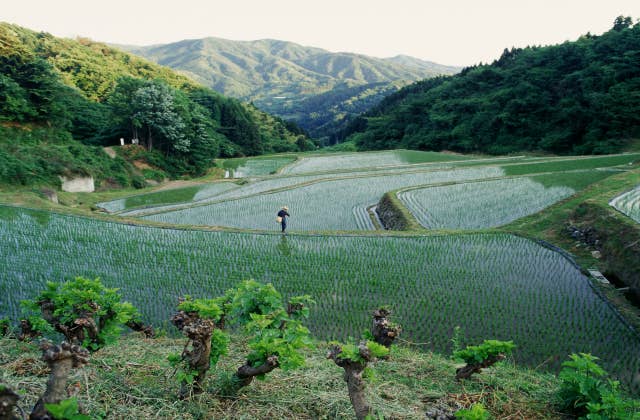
{"x": 80, "y": 184}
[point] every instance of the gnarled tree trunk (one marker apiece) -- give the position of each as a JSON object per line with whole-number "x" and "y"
{"x": 246, "y": 372}
{"x": 469, "y": 369}
{"x": 353, "y": 377}
{"x": 83, "y": 327}
{"x": 384, "y": 332}
{"x": 146, "y": 329}
{"x": 198, "y": 349}
{"x": 61, "y": 359}
{"x": 27, "y": 333}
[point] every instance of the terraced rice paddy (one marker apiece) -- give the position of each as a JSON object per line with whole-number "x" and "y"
{"x": 571, "y": 164}
{"x": 329, "y": 205}
{"x": 244, "y": 167}
{"x": 339, "y": 200}
{"x": 177, "y": 195}
{"x": 629, "y": 203}
{"x": 485, "y": 204}
{"x": 347, "y": 161}
{"x": 493, "y": 286}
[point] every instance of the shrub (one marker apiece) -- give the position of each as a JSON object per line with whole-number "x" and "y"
{"x": 476, "y": 412}
{"x": 587, "y": 393}
{"x": 276, "y": 334}
{"x": 83, "y": 310}
{"x": 355, "y": 358}
{"x": 138, "y": 181}
{"x": 481, "y": 356}
{"x": 5, "y": 326}
{"x": 61, "y": 359}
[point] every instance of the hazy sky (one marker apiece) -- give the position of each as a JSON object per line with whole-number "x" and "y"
{"x": 455, "y": 32}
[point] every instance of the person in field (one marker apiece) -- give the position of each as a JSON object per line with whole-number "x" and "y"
{"x": 282, "y": 217}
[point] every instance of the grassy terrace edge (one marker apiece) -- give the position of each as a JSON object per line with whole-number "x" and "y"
{"x": 404, "y": 386}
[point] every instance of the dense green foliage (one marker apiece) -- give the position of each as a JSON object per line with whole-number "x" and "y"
{"x": 475, "y": 412}
{"x": 325, "y": 114}
{"x": 198, "y": 319}
{"x": 39, "y": 155}
{"x": 317, "y": 89}
{"x": 68, "y": 409}
{"x": 484, "y": 351}
{"x": 276, "y": 335}
{"x": 83, "y": 310}
{"x": 586, "y": 392}
{"x": 273, "y": 329}
{"x": 98, "y": 95}
{"x": 578, "y": 97}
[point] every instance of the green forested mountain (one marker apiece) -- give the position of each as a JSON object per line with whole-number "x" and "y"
{"x": 90, "y": 94}
{"x": 324, "y": 114}
{"x": 577, "y": 97}
{"x": 283, "y": 78}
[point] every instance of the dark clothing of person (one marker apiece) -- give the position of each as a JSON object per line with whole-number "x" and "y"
{"x": 283, "y": 214}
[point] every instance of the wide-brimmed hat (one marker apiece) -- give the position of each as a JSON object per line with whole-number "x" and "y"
{"x": 285, "y": 208}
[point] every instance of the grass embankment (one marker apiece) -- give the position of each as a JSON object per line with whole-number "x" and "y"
{"x": 550, "y": 224}
{"x": 133, "y": 380}
{"x": 394, "y": 215}
{"x": 33, "y": 196}
{"x": 619, "y": 235}
{"x": 33, "y": 155}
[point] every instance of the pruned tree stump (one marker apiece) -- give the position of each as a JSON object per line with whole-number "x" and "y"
{"x": 27, "y": 332}
{"x": 61, "y": 360}
{"x": 197, "y": 351}
{"x": 469, "y": 369}
{"x": 384, "y": 332}
{"x": 246, "y": 372}
{"x": 353, "y": 377}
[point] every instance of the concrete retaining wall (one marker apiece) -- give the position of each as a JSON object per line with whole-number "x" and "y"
{"x": 81, "y": 184}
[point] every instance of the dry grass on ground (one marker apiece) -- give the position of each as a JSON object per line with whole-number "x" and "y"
{"x": 133, "y": 380}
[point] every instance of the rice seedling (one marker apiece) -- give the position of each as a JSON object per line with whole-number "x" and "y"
{"x": 628, "y": 203}
{"x": 492, "y": 285}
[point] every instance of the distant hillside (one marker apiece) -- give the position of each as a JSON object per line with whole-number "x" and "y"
{"x": 282, "y": 77}
{"x": 578, "y": 97}
{"x": 88, "y": 94}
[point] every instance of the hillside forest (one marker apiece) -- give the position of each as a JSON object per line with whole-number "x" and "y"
{"x": 579, "y": 97}
{"x": 315, "y": 88}
{"x": 62, "y": 100}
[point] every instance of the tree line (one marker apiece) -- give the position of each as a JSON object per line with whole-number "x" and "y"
{"x": 579, "y": 97}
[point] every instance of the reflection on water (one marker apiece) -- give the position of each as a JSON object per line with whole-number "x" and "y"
{"x": 246, "y": 167}
{"x": 283, "y": 246}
